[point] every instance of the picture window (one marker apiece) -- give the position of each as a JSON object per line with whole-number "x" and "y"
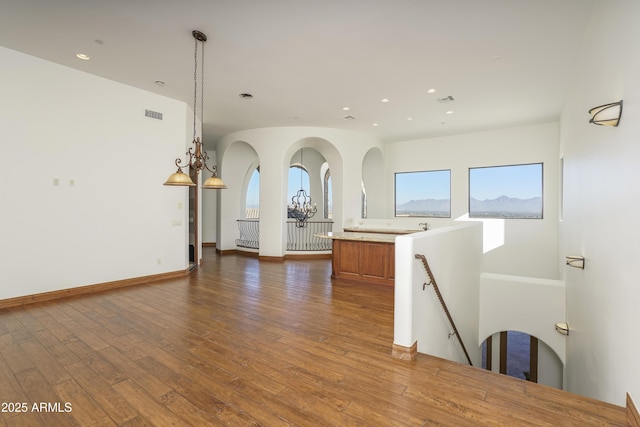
{"x": 423, "y": 194}
{"x": 513, "y": 191}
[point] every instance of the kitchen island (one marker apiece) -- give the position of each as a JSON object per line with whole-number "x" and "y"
{"x": 364, "y": 256}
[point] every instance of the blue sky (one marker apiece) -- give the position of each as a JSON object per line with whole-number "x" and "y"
{"x": 253, "y": 190}
{"x": 294, "y": 182}
{"x": 423, "y": 185}
{"x": 520, "y": 181}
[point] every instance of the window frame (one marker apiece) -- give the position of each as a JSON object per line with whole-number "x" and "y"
{"x": 395, "y": 194}
{"x": 469, "y": 196}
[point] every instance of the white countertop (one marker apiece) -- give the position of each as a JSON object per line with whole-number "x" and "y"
{"x": 364, "y": 237}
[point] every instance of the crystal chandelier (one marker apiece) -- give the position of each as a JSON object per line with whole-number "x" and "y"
{"x": 301, "y": 208}
{"x": 197, "y": 155}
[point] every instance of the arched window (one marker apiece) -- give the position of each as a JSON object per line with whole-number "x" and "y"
{"x": 327, "y": 195}
{"x": 298, "y": 178}
{"x": 253, "y": 196}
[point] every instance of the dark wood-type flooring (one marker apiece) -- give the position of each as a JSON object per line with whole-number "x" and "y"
{"x": 242, "y": 342}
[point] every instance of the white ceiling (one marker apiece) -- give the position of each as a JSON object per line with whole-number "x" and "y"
{"x": 505, "y": 62}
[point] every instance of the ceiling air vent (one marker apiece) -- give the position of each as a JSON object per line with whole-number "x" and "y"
{"x": 349, "y": 117}
{"x": 445, "y": 99}
{"x": 153, "y": 114}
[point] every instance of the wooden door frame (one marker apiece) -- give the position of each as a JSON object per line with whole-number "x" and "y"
{"x": 533, "y": 355}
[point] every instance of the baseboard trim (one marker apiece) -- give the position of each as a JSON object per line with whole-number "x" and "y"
{"x": 88, "y": 289}
{"x": 271, "y": 258}
{"x": 632, "y": 412}
{"x": 404, "y": 353}
{"x": 208, "y": 244}
{"x": 307, "y": 256}
{"x": 226, "y": 251}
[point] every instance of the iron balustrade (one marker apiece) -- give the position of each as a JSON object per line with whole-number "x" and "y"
{"x": 249, "y": 233}
{"x": 305, "y": 239}
{"x": 298, "y": 239}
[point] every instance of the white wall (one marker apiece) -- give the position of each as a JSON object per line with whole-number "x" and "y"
{"x": 529, "y": 305}
{"x": 601, "y": 205}
{"x": 454, "y": 255}
{"x": 374, "y": 183}
{"x": 115, "y": 221}
{"x": 209, "y": 206}
{"x": 524, "y": 304}
{"x": 524, "y": 247}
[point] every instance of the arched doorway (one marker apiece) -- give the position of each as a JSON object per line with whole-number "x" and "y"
{"x": 523, "y": 356}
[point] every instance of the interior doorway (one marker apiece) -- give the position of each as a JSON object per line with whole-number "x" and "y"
{"x": 193, "y": 220}
{"x": 518, "y": 355}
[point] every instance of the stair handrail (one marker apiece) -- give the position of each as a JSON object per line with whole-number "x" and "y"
{"x": 442, "y": 303}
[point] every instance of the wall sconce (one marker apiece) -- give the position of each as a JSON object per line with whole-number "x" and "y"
{"x": 576, "y": 261}
{"x": 562, "y": 328}
{"x": 607, "y": 114}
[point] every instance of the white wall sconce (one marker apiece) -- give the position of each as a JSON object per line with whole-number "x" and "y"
{"x": 576, "y": 262}
{"x": 607, "y": 114}
{"x": 562, "y": 328}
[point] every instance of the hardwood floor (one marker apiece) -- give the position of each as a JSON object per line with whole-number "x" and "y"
{"x": 240, "y": 343}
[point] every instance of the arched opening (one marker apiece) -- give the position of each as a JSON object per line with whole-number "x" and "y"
{"x": 252, "y": 198}
{"x": 373, "y": 202}
{"x": 309, "y": 183}
{"x": 298, "y": 181}
{"x": 520, "y": 355}
{"x": 239, "y": 163}
{"x": 327, "y": 191}
{"x": 248, "y": 221}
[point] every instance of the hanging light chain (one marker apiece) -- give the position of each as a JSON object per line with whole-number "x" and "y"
{"x": 195, "y": 83}
{"x": 202, "y": 88}
{"x": 197, "y": 155}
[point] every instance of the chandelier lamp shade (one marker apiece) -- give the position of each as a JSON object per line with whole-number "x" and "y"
{"x": 197, "y": 157}
{"x": 301, "y": 208}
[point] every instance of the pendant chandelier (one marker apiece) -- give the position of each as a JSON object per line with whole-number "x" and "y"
{"x": 301, "y": 208}
{"x": 197, "y": 155}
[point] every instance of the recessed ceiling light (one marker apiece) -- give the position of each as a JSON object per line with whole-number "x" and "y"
{"x": 431, "y": 91}
{"x": 409, "y": 118}
{"x": 449, "y": 112}
{"x": 346, "y": 108}
{"x": 385, "y": 100}
{"x": 83, "y": 56}
{"x": 375, "y": 124}
{"x": 159, "y": 83}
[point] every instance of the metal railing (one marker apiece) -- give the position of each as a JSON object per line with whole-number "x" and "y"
{"x": 249, "y": 233}
{"x": 298, "y": 239}
{"x": 432, "y": 281}
{"x": 305, "y": 239}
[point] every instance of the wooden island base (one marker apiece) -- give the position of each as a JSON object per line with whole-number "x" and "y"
{"x": 363, "y": 261}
